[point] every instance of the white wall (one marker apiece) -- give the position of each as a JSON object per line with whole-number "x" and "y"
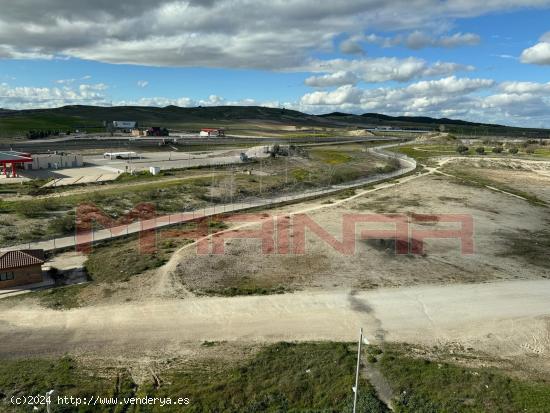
{"x": 55, "y": 161}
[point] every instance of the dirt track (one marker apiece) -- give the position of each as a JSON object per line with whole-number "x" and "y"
{"x": 509, "y": 319}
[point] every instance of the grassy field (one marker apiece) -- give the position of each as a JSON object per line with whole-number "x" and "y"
{"x": 284, "y": 377}
{"x": 37, "y": 376}
{"x": 332, "y": 157}
{"x": 423, "y": 385}
{"x": 423, "y": 153}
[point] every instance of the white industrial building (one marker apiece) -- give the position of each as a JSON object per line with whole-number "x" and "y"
{"x": 55, "y": 161}
{"x": 124, "y": 124}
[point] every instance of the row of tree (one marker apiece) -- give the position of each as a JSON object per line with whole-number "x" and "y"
{"x": 480, "y": 150}
{"x": 40, "y": 134}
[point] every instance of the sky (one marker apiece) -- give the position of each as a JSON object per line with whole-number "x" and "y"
{"x": 485, "y": 61}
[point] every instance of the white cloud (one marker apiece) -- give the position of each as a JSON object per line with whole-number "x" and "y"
{"x": 185, "y": 102}
{"x": 459, "y": 39}
{"x": 538, "y": 54}
{"x": 24, "y": 97}
{"x": 418, "y": 95}
{"x": 525, "y": 87}
{"x": 381, "y": 69}
{"x": 142, "y": 83}
{"x": 351, "y": 46}
{"x": 65, "y": 81}
{"x": 420, "y": 39}
{"x": 512, "y": 103}
{"x": 505, "y": 56}
{"x": 334, "y": 79}
{"x": 261, "y": 34}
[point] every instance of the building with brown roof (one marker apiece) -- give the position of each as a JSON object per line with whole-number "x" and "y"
{"x": 20, "y": 268}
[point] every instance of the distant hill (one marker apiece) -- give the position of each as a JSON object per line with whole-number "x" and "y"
{"x": 423, "y": 122}
{"x": 18, "y": 122}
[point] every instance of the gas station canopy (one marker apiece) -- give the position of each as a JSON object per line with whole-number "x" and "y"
{"x": 13, "y": 158}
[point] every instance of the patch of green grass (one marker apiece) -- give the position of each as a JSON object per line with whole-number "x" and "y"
{"x": 247, "y": 290}
{"x": 61, "y": 298}
{"x": 346, "y": 193}
{"x": 121, "y": 259}
{"x": 31, "y": 377}
{"x": 427, "y": 386}
{"x": 332, "y": 157}
{"x": 300, "y": 174}
{"x": 423, "y": 153}
{"x": 284, "y": 377}
{"x": 166, "y": 196}
{"x": 140, "y": 176}
{"x": 542, "y": 152}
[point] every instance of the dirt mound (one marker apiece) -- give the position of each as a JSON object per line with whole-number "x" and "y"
{"x": 360, "y": 132}
{"x": 436, "y": 137}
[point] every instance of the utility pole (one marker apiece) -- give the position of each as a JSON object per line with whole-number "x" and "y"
{"x": 356, "y": 387}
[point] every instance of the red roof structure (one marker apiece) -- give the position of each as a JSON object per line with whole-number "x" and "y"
{"x": 21, "y": 258}
{"x": 13, "y": 158}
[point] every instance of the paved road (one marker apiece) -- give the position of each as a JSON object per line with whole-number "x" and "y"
{"x": 508, "y": 317}
{"x": 407, "y": 165}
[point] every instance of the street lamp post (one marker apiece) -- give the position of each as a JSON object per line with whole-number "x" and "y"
{"x": 356, "y": 387}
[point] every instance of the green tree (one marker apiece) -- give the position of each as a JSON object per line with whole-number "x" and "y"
{"x": 462, "y": 149}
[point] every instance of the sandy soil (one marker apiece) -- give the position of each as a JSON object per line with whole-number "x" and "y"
{"x": 495, "y": 217}
{"x": 511, "y": 319}
{"x": 527, "y": 176}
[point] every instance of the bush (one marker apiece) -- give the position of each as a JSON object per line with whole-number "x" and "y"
{"x": 513, "y": 151}
{"x": 65, "y": 224}
{"x": 461, "y": 149}
{"x": 497, "y": 149}
{"x": 480, "y": 150}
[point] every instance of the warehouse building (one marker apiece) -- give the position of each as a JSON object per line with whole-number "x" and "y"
{"x": 56, "y": 160}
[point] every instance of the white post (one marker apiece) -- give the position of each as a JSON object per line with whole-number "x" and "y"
{"x": 355, "y": 389}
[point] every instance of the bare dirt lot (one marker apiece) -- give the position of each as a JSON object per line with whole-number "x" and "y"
{"x": 497, "y": 218}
